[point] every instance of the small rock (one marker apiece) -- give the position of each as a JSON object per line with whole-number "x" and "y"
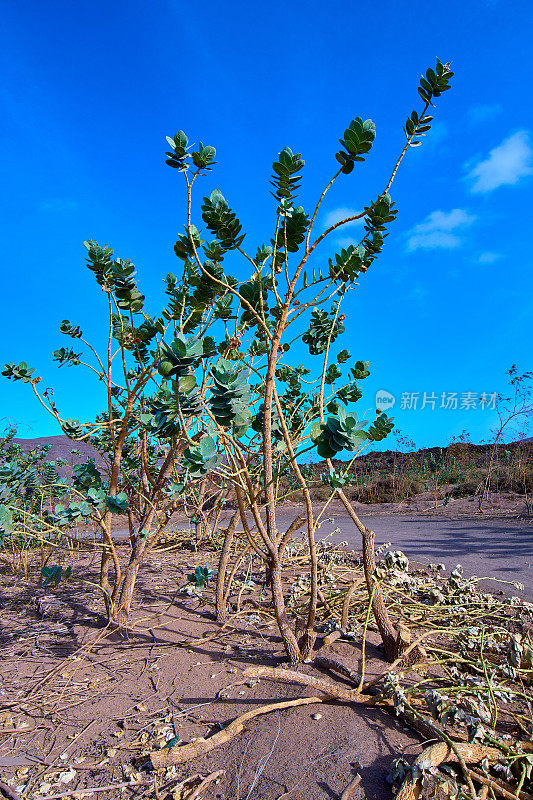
{"x": 66, "y": 777}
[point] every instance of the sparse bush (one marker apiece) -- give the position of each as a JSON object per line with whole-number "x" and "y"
{"x": 28, "y": 482}
{"x": 466, "y": 489}
{"x": 387, "y": 490}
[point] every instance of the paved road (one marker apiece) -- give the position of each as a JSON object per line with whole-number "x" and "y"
{"x": 488, "y": 548}
{"x": 497, "y": 548}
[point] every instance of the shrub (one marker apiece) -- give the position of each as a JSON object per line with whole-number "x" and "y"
{"x": 209, "y": 389}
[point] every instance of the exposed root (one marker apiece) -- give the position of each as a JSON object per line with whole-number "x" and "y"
{"x": 335, "y": 664}
{"x": 291, "y": 676}
{"x": 334, "y": 692}
{"x": 411, "y": 655}
{"x": 199, "y": 747}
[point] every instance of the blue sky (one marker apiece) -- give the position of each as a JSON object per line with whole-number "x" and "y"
{"x": 89, "y": 92}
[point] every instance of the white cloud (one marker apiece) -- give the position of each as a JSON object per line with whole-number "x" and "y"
{"x": 338, "y": 214}
{"x": 488, "y": 257}
{"x": 505, "y": 164}
{"x": 345, "y": 241}
{"x": 484, "y": 112}
{"x": 439, "y": 230}
{"x": 436, "y": 136}
{"x": 436, "y": 240}
{"x": 445, "y": 221}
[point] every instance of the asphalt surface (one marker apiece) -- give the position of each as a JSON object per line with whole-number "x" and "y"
{"x": 488, "y": 548}
{"x": 500, "y": 551}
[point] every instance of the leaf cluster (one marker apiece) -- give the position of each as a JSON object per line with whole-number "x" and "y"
{"x": 179, "y": 357}
{"x": 201, "y": 458}
{"x": 358, "y": 139}
{"x": 290, "y": 235}
{"x": 339, "y": 432}
{"x": 203, "y": 158}
{"x": 53, "y": 575}
{"x": 66, "y": 355}
{"x": 285, "y": 179}
{"x": 222, "y": 221}
{"x": 169, "y": 407}
{"x": 19, "y": 372}
{"x": 258, "y": 420}
{"x": 200, "y": 577}
{"x": 435, "y": 82}
{"x": 230, "y": 396}
{"x": 323, "y": 328}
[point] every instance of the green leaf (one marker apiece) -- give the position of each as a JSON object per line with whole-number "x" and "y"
{"x": 343, "y": 356}
{"x": 207, "y": 446}
{"x": 186, "y": 383}
{"x": 172, "y": 742}
{"x": 117, "y": 504}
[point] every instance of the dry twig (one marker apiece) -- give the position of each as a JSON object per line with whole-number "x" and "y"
{"x": 351, "y": 786}
{"x": 438, "y": 754}
{"x": 214, "y": 776}
{"x": 8, "y": 791}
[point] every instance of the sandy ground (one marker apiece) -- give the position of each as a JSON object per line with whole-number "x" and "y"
{"x": 103, "y": 706}
{"x": 91, "y": 712}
